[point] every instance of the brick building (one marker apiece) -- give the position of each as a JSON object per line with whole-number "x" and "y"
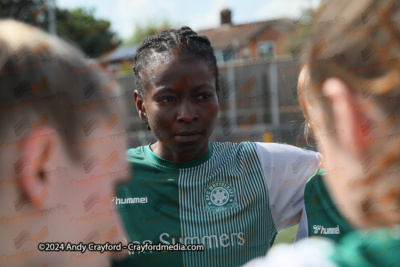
{"x": 258, "y": 40}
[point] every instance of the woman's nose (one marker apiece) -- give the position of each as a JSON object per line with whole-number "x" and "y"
{"x": 187, "y": 111}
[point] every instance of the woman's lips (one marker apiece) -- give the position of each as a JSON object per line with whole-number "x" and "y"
{"x": 188, "y": 136}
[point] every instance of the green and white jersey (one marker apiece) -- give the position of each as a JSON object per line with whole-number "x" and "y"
{"x": 320, "y": 215}
{"x": 233, "y": 200}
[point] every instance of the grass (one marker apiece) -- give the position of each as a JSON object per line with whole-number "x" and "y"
{"x": 287, "y": 235}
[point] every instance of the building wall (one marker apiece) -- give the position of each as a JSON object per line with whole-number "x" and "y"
{"x": 270, "y": 34}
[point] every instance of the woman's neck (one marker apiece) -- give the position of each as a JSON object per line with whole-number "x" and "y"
{"x": 167, "y": 153}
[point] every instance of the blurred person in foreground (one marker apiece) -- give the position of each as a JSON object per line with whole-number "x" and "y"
{"x": 320, "y": 216}
{"x": 359, "y": 97}
{"x": 60, "y": 148}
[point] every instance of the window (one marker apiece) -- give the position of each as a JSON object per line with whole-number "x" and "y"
{"x": 229, "y": 54}
{"x": 266, "y": 50}
{"x": 219, "y": 55}
{"x": 225, "y": 55}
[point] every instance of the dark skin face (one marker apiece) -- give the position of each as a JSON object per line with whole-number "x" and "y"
{"x": 181, "y": 105}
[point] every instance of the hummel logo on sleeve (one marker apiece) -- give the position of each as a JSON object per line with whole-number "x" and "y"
{"x": 319, "y": 229}
{"x": 130, "y": 200}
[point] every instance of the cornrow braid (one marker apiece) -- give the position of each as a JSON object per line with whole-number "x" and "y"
{"x": 171, "y": 42}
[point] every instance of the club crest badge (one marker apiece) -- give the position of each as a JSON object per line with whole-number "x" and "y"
{"x": 219, "y": 197}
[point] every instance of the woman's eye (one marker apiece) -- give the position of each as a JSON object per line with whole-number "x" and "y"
{"x": 204, "y": 96}
{"x": 166, "y": 99}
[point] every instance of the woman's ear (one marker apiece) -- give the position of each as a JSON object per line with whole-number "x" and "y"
{"x": 34, "y": 162}
{"x": 344, "y": 118}
{"x": 139, "y": 104}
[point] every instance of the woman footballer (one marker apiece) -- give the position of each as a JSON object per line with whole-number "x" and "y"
{"x": 232, "y": 198}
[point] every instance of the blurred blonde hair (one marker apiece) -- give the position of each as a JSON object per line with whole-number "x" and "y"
{"x": 368, "y": 42}
{"x": 303, "y": 85}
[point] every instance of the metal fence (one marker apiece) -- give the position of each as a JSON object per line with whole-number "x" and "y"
{"x": 258, "y": 102}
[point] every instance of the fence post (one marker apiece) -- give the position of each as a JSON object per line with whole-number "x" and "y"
{"x": 232, "y": 97}
{"x": 274, "y": 96}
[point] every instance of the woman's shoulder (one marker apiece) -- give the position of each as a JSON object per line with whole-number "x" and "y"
{"x": 135, "y": 154}
{"x": 278, "y": 150}
{"x": 233, "y": 148}
{"x": 270, "y": 149}
{"x": 282, "y": 147}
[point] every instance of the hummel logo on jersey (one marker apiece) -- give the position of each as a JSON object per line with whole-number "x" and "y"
{"x": 319, "y": 229}
{"x": 130, "y": 200}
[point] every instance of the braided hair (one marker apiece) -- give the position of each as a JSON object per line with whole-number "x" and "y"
{"x": 170, "y": 42}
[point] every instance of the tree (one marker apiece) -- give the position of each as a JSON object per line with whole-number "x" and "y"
{"x": 150, "y": 28}
{"x": 92, "y": 35}
{"x": 304, "y": 25}
{"x": 78, "y": 26}
{"x": 28, "y": 11}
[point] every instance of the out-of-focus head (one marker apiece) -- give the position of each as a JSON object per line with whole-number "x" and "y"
{"x": 62, "y": 147}
{"x": 353, "y": 103}
{"x": 177, "y": 89}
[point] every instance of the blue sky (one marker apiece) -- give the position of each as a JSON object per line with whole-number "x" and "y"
{"x": 197, "y": 14}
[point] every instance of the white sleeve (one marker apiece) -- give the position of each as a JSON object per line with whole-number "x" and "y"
{"x": 286, "y": 169}
{"x": 302, "y": 231}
